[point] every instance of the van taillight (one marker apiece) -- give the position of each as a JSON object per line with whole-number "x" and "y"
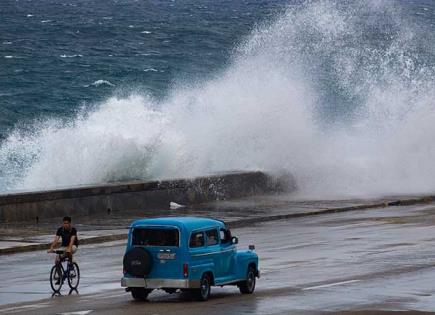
{"x": 185, "y": 270}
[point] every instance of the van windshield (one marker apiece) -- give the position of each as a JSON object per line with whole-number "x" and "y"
{"x": 155, "y": 236}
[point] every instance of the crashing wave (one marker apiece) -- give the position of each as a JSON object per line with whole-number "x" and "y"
{"x": 345, "y": 113}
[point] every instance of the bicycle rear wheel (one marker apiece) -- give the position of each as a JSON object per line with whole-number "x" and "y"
{"x": 56, "y": 278}
{"x": 74, "y": 276}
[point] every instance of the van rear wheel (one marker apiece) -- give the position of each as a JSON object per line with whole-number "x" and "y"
{"x": 203, "y": 293}
{"x": 140, "y": 294}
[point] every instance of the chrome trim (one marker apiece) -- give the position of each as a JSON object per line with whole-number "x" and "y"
{"x": 212, "y": 253}
{"x": 228, "y": 250}
{"x": 159, "y": 283}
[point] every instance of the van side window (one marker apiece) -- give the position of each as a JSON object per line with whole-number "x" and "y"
{"x": 225, "y": 236}
{"x": 196, "y": 239}
{"x": 212, "y": 237}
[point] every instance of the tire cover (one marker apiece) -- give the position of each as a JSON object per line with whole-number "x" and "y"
{"x": 138, "y": 262}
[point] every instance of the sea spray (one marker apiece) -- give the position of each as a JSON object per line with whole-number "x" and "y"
{"x": 340, "y": 94}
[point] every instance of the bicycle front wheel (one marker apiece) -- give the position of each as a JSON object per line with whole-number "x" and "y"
{"x": 56, "y": 278}
{"x": 74, "y": 276}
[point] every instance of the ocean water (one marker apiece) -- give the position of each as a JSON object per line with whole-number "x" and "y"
{"x": 339, "y": 93}
{"x": 57, "y": 56}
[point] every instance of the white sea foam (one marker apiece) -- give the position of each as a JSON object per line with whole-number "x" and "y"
{"x": 29, "y": 15}
{"x": 102, "y": 82}
{"x": 71, "y": 56}
{"x": 9, "y": 57}
{"x": 269, "y": 110}
{"x": 46, "y": 21}
{"x": 150, "y": 70}
{"x": 145, "y": 32}
{"x": 7, "y": 43}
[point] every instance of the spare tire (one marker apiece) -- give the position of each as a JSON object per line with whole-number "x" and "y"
{"x": 138, "y": 262}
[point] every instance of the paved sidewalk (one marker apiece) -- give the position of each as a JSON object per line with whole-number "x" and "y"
{"x": 10, "y": 244}
{"x": 21, "y": 237}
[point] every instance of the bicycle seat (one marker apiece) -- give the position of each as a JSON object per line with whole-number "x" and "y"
{"x": 59, "y": 252}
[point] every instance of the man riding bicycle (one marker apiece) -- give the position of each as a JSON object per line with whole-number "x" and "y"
{"x": 69, "y": 238}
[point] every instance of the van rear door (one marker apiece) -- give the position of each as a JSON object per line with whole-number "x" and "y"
{"x": 163, "y": 243}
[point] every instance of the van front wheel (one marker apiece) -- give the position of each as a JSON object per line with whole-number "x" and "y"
{"x": 248, "y": 286}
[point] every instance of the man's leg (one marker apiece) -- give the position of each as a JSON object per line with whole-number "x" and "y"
{"x": 73, "y": 251}
{"x": 58, "y": 262}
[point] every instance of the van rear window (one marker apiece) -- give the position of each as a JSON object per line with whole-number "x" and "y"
{"x": 155, "y": 237}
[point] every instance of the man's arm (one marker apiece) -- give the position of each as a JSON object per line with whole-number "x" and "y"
{"x": 54, "y": 243}
{"x": 71, "y": 243}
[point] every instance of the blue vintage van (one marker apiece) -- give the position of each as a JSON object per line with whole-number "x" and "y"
{"x": 185, "y": 253}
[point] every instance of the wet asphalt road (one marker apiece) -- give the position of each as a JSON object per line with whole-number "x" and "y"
{"x": 380, "y": 259}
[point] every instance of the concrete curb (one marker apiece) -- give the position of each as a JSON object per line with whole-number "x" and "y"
{"x": 236, "y": 223}
{"x": 396, "y": 203}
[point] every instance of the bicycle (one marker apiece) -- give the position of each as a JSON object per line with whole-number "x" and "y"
{"x": 58, "y": 273}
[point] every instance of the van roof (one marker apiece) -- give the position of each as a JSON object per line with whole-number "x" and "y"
{"x": 190, "y": 223}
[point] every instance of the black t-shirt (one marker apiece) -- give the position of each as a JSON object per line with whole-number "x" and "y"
{"x": 66, "y": 236}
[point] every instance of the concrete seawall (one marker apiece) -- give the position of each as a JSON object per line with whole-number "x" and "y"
{"x": 90, "y": 200}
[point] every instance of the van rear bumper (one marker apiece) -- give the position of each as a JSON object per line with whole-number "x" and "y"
{"x": 159, "y": 283}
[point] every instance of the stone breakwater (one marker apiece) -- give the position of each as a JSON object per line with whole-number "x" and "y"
{"x": 124, "y": 196}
